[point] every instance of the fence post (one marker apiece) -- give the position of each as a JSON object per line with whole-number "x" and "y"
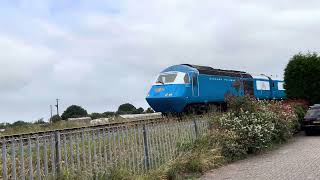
{"x": 146, "y": 150}
{"x": 22, "y": 159}
{"x": 4, "y": 159}
{"x": 30, "y": 158}
{"x": 58, "y": 152}
{"x": 13, "y": 153}
{"x": 196, "y": 128}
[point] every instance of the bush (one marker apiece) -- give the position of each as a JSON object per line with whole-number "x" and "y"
{"x": 240, "y": 103}
{"x": 149, "y": 110}
{"x": 244, "y": 129}
{"x": 300, "y": 112}
{"x": 96, "y": 115}
{"x": 126, "y": 108}
{"x": 268, "y": 123}
{"x": 74, "y": 111}
{"x": 55, "y": 118}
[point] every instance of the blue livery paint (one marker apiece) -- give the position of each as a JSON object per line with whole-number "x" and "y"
{"x": 200, "y": 88}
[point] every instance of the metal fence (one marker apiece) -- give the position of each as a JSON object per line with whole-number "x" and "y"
{"x": 91, "y": 152}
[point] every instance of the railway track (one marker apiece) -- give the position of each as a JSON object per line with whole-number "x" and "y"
{"x": 109, "y": 126}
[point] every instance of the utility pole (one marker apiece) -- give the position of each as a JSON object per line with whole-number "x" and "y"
{"x": 50, "y": 113}
{"x": 57, "y": 105}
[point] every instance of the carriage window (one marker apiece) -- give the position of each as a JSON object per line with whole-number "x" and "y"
{"x": 280, "y": 86}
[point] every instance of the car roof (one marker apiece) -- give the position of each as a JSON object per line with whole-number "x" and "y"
{"x": 316, "y": 106}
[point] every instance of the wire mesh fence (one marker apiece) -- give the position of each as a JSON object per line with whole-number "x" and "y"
{"x": 89, "y": 152}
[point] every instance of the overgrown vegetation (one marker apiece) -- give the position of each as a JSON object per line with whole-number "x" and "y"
{"x": 245, "y": 129}
{"x": 36, "y": 127}
{"x": 249, "y": 127}
{"x": 302, "y": 77}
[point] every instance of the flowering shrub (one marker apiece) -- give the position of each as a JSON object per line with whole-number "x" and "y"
{"x": 248, "y": 126}
{"x": 261, "y": 126}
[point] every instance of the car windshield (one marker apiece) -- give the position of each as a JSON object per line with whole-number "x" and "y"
{"x": 313, "y": 113}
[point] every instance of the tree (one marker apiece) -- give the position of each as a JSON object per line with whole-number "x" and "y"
{"x": 74, "y": 111}
{"x": 96, "y": 115}
{"x": 126, "y": 109}
{"x": 39, "y": 121}
{"x": 55, "y": 118}
{"x": 3, "y": 125}
{"x": 302, "y": 77}
{"x": 139, "y": 111}
{"x": 149, "y": 110}
{"x": 19, "y": 123}
{"x": 108, "y": 114}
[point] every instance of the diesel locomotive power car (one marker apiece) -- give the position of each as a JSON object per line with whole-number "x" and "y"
{"x": 185, "y": 88}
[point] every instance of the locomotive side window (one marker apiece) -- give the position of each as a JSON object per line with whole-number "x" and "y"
{"x": 186, "y": 79}
{"x": 194, "y": 80}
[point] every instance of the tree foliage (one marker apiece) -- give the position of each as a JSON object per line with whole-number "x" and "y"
{"x": 74, "y": 111}
{"x": 108, "y": 114}
{"x": 128, "y": 108}
{"x": 149, "y": 110}
{"x": 96, "y": 115}
{"x": 55, "y": 118}
{"x": 19, "y": 123}
{"x": 140, "y": 110}
{"x": 302, "y": 77}
{"x": 39, "y": 121}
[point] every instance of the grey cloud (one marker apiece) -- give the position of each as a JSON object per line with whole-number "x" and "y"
{"x": 101, "y": 55}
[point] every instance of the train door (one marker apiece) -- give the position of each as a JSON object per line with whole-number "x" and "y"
{"x": 272, "y": 88}
{"x": 195, "y": 85}
{"x": 248, "y": 87}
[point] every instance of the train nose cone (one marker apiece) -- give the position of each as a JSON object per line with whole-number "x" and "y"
{"x": 167, "y": 98}
{"x": 173, "y": 104}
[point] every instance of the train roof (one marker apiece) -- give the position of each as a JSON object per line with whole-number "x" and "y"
{"x": 211, "y": 71}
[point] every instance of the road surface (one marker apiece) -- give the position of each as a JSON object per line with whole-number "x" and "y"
{"x": 297, "y": 160}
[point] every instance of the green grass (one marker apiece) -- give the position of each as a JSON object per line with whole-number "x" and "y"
{"x": 33, "y": 128}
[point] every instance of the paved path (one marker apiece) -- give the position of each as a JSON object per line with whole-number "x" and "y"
{"x": 297, "y": 160}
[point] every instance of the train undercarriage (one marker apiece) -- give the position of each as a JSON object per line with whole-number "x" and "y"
{"x": 199, "y": 109}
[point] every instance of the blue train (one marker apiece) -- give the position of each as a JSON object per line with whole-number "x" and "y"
{"x": 185, "y": 88}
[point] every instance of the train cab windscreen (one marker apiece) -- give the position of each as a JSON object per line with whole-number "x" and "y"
{"x": 173, "y": 78}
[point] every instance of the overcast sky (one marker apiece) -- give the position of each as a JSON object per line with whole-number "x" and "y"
{"x": 100, "y": 54}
